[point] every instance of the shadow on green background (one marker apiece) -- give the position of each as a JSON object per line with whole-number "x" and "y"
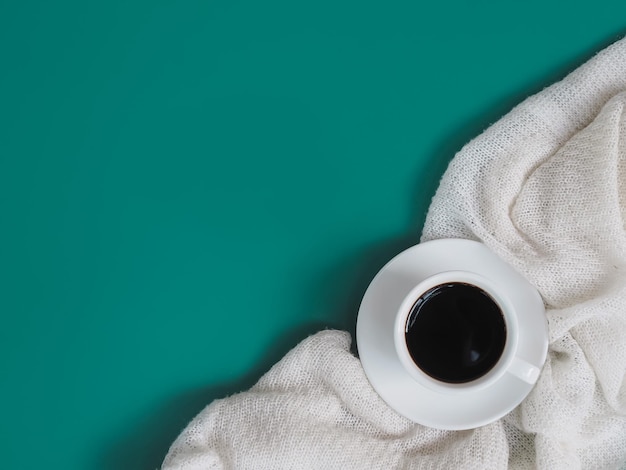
{"x": 189, "y": 190}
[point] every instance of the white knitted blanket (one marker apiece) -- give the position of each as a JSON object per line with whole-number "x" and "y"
{"x": 545, "y": 188}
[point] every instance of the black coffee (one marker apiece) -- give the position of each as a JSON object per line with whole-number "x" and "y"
{"x": 455, "y": 332}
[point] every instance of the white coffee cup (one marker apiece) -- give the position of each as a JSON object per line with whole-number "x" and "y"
{"x": 408, "y": 383}
{"x": 503, "y": 361}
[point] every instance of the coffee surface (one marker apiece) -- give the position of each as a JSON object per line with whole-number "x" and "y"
{"x": 455, "y": 332}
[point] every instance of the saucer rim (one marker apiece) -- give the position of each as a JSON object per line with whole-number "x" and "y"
{"x": 399, "y": 389}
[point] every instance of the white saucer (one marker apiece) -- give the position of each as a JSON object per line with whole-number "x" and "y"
{"x": 377, "y": 350}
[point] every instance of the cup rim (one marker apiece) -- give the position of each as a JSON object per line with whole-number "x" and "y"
{"x": 498, "y": 296}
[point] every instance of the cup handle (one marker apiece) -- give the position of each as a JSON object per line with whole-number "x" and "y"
{"x": 524, "y": 370}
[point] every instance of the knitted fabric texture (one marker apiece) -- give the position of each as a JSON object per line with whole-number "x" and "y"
{"x": 544, "y": 188}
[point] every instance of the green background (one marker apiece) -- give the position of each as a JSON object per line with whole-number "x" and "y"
{"x": 188, "y": 189}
